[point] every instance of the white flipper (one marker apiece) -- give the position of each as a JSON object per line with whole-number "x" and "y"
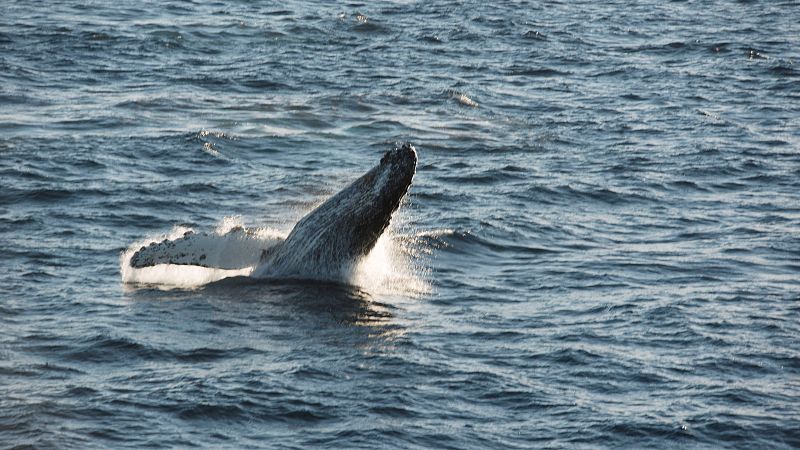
{"x": 236, "y": 249}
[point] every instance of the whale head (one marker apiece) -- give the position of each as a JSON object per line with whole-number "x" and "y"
{"x": 333, "y": 237}
{"x": 390, "y": 181}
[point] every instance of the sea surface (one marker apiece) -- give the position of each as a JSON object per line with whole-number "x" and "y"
{"x": 600, "y": 249}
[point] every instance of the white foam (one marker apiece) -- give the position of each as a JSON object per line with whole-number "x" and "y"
{"x": 397, "y": 264}
{"x": 393, "y": 267}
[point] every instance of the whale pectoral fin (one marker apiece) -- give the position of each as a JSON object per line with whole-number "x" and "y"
{"x": 231, "y": 251}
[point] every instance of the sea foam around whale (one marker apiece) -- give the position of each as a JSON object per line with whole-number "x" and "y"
{"x": 393, "y": 266}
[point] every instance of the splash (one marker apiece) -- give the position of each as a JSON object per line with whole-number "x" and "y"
{"x": 393, "y": 267}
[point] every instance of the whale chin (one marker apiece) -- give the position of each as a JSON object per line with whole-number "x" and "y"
{"x": 325, "y": 244}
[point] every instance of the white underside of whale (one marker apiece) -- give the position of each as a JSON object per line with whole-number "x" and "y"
{"x": 228, "y": 253}
{"x": 237, "y": 249}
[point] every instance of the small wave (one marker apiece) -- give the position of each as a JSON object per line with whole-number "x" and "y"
{"x": 518, "y": 400}
{"x": 263, "y": 84}
{"x": 209, "y": 411}
{"x": 491, "y": 176}
{"x": 543, "y": 72}
{"x": 370, "y": 27}
{"x": 106, "y": 348}
{"x": 48, "y": 195}
{"x": 22, "y": 99}
{"x": 534, "y": 35}
{"x": 465, "y": 242}
{"x": 431, "y": 38}
{"x": 784, "y": 71}
{"x": 669, "y": 48}
{"x": 567, "y": 194}
{"x": 574, "y": 357}
{"x": 47, "y": 370}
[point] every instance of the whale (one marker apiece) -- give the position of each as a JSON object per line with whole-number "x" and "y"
{"x": 325, "y": 244}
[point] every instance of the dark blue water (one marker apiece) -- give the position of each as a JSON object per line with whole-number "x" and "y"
{"x": 604, "y": 252}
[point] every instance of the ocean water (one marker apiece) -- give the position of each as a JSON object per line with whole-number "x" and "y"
{"x": 600, "y": 249}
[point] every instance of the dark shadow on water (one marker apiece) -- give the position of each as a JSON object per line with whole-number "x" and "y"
{"x": 345, "y": 303}
{"x": 305, "y": 306}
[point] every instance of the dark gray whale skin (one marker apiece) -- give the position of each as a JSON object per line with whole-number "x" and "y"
{"x": 324, "y": 244}
{"x": 334, "y": 236}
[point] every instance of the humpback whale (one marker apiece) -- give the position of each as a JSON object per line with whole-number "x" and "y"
{"x": 325, "y": 244}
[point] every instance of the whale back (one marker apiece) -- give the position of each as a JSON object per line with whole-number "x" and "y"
{"x": 331, "y": 239}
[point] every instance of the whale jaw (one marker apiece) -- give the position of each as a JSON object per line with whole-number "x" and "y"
{"x": 332, "y": 239}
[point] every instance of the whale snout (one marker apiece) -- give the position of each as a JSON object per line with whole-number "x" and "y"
{"x": 407, "y": 151}
{"x": 401, "y": 164}
{"x": 406, "y": 155}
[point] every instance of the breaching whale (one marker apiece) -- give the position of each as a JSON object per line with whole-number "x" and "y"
{"x": 324, "y": 244}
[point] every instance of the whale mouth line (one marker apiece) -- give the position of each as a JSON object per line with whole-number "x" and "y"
{"x": 327, "y": 244}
